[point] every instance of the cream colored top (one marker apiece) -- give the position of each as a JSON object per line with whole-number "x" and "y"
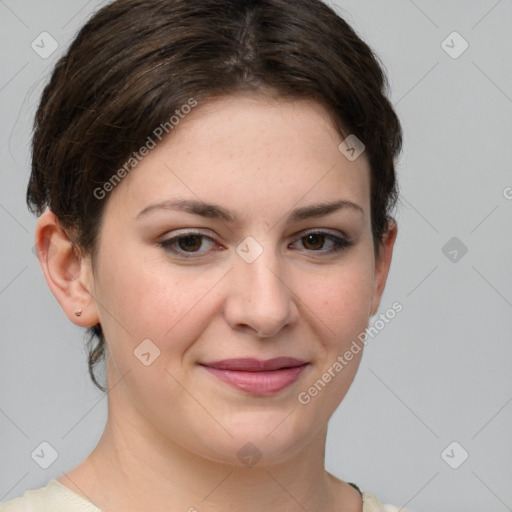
{"x": 56, "y": 497}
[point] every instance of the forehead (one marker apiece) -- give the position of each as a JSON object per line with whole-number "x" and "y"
{"x": 246, "y": 150}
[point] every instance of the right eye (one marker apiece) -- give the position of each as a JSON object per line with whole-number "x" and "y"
{"x": 186, "y": 244}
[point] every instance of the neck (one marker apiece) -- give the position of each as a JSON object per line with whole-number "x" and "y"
{"x": 135, "y": 467}
{"x": 153, "y": 477}
{"x": 125, "y": 473}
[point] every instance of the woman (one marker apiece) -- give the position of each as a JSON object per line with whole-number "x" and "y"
{"x": 214, "y": 181}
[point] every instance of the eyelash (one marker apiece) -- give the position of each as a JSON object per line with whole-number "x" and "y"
{"x": 340, "y": 244}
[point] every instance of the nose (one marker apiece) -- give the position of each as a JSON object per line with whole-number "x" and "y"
{"x": 260, "y": 297}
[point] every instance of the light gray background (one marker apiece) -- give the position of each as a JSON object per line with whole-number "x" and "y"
{"x": 439, "y": 372}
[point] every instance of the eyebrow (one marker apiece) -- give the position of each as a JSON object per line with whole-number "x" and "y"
{"x": 214, "y": 211}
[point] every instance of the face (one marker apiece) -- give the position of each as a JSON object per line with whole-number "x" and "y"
{"x": 254, "y": 277}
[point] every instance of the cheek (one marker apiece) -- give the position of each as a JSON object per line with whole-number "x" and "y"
{"x": 341, "y": 297}
{"x": 155, "y": 301}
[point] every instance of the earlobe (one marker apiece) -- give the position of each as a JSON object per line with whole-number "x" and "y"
{"x": 383, "y": 263}
{"x": 68, "y": 274}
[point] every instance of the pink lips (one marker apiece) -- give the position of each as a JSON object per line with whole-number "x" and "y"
{"x": 258, "y": 377}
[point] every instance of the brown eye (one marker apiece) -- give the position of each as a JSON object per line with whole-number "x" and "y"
{"x": 314, "y": 241}
{"x": 190, "y": 242}
{"x": 187, "y": 245}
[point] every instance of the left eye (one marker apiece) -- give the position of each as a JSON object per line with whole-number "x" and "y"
{"x": 317, "y": 239}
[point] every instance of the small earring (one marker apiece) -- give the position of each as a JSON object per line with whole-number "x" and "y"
{"x": 78, "y": 313}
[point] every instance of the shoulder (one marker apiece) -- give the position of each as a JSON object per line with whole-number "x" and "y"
{"x": 54, "y": 496}
{"x": 372, "y": 504}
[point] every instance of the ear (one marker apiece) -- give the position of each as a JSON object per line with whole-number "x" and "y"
{"x": 382, "y": 264}
{"x": 68, "y": 273}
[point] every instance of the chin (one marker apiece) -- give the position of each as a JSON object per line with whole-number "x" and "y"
{"x": 257, "y": 439}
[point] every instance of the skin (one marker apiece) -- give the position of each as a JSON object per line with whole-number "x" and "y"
{"x": 173, "y": 429}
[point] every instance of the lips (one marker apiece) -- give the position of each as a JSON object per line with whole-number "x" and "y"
{"x": 255, "y": 376}
{"x": 256, "y": 365}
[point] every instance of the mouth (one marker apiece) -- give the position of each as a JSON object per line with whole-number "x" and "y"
{"x": 258, "y": 377}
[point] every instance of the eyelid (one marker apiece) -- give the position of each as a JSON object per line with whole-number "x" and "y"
{"x": 323, "y": 231}
{"x": 191, "y": 231}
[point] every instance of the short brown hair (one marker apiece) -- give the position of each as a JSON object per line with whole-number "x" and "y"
{"x": 135, "y": 62}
